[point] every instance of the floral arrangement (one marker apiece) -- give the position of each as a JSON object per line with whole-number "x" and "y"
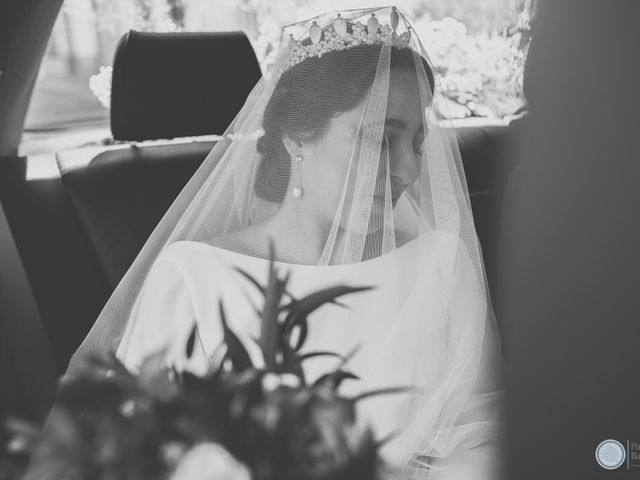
{"x": 481, "y": 71}
{"x": 482, "y": 75}
{"x": 238, "y": 422}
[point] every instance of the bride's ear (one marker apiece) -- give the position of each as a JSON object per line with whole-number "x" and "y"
{"x": 293, "y": 147}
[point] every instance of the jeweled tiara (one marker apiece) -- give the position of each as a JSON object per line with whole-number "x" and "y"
{"x": 336, "y": 37}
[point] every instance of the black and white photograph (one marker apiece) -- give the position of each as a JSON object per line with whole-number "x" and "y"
{"x": 319, "y": 240}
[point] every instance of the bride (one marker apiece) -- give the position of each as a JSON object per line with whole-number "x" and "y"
{"x": 339, "y": 158}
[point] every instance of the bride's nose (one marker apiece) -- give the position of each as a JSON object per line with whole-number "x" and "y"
{"x": 405, "y": 165}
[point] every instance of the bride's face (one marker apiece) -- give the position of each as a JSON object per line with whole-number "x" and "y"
{"x": 327, "y": 160}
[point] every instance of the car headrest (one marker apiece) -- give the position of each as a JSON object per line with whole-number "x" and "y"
{"x": 168, "y": 85}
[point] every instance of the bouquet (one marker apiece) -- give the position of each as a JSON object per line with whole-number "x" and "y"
{"x": 238, "y": 422}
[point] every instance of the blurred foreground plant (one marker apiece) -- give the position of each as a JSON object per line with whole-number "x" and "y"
{"x": 238, "y": 422}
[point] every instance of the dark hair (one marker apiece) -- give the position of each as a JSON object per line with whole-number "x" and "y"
{"x": 327, "y": 85}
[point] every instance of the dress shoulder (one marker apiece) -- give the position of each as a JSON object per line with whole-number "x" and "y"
{"x": 181, "y": 289}
{"x": 201, "y": 265}
{"x": 186, "y": 252}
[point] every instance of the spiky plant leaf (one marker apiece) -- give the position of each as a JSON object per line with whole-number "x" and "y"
{"x": 100, "y": 365}
{"x": 334, "y": 379}
{"x": 251, "y": 279}
{"x": 294, "y": 368}
{"x": 270, "y": 330}
{"x": 99, "y": 368}
{"x": 156, "y": 379}
{"x": 312, "y": 302}
{"x": 236, "y": 352}
{"x": 306, "y": 356}
{"x": 191, "y": 341}
{"x": 302, "y": 335}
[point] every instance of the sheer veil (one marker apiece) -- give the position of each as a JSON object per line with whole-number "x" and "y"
{"x": 341, "y": 155}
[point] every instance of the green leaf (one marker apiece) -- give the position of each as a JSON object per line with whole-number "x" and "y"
{"x": 191, "y": 340}
{"x": 308, "y": 304}
{"x": 156, "y": 379}
{"x": 382, "y": 391}
{"x": 235, "y": 349}
{"x": 258, "y": 285}
{"x": 334, "y": 379}
{"x": 251, "y": 278}
{"x": 306, "y": 356}
{"x": 302, "y": 336}
{"x": 384, "y": 440}
{"x": 270, "y": 331}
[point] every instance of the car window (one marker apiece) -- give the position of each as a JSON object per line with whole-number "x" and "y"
{"x": 477, "y": 46}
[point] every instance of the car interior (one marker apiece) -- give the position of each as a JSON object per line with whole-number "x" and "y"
{"x": 77, "y": 219}
{"x": 554, "y": 194}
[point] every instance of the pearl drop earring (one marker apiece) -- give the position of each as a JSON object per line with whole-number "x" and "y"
{"x": 297, "y": 191}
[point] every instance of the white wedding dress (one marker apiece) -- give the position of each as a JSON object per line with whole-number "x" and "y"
{"x": 189, "y": 278}
{"x": 343, "y": 148}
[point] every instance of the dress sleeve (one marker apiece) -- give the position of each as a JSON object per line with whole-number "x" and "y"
{"x": 474, "y": 449}
{"x": 162, "y": 319}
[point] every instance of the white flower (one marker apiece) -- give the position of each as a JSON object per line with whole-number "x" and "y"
{"x": 100, "y": 85}
{"x": 209, "y": 461}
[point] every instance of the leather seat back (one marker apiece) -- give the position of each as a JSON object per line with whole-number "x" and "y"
{"x": 168, "y": 85}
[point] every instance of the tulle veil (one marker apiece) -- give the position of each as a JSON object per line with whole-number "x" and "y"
{"x": 355, "y": 190}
